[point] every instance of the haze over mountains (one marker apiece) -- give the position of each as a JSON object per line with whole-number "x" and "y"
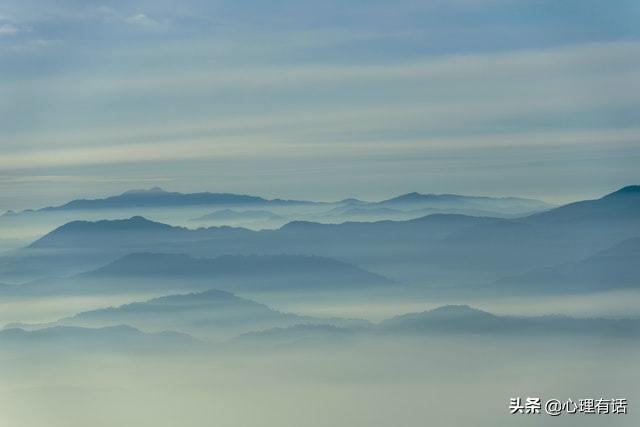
{"x": 583, "y": 247}
{"x": 462, "y": 319}
{"x": 264, "y": 273}
{"x": 450, "y": 320}
{"x": 161, "y": 272}
{"x": 211, "y": 315}
{"x": 248, "y": 211}
{"x": 426, "y": 252}
{"x": 616, "y": 267}
{"x": 230, "y": 216}
{"x": 217, "y": 316}
{"x": 348, "y": 232}
{"x": 455, "y": 202}
{"x": 322, "y": 298}
{"x": 159, "y": 198}
{"x": 119, "y": 338}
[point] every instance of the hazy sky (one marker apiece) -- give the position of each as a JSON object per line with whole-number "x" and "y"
{"x": 323, "y": 99}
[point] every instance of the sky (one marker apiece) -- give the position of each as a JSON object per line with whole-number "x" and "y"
{"x": 318, "y": 100}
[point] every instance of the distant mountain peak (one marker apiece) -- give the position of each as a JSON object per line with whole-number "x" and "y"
{"x": 157, "y": 197}
{"x": 484, "y": 205}
{"x": 191, "y": 301}
{"x": 300, "y": 225}
{"x": 445, "y": 317}
{"x": 126, "y": 223}
{"x": 629, "y": 190}
{"x": 153, "y": 190}
{"x": 457, "y": 309}
{"x": 432, "y": 196}
{"x": 239, "y": 215}
{"x": 103, "y": 227}
{"x": 237, "y": 272}
{"x": 448, "y": 312}
{"x": 623, "y": 204}
{"x": 116, "y": 337}
{"x": 412, "y": 195}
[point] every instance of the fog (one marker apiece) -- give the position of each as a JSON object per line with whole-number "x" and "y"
{"x": 49, "y": 309}
{"x": 375, "y": 308}
{"x": 160, "y": 320}
{"x": 454, "y": 381}
{"x": 318, "y": 214}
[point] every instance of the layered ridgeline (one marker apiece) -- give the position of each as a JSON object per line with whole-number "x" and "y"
{"x": 470, "y": 205}
{"x": 164, "y": 206}
{"x": 216, "y": 317}
{"x": 163, "y": 272}
{"x": 416, "y": 205}
{"x": 446, "y": 321}
{"x": 455, "y": 319}
{"x": 613, "y": 268}
{"x": 159, "y": 198}
{"x": 241, "y": 272}
{"x": 211, "y": 315}
{"x": 83, "y": 245}
{"x": 254, "y": 212}
{"x": 119, "y": 338}
{"x": 443, "y": 250}
{"x": 230, "y": 216}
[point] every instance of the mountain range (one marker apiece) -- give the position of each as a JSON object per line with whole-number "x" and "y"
{"x": 443, "y": 250}
{"x": 220, "y": 315}
{"x": 119, "y": 338}
{"x": 159, "y": 198}
{"x": 252, "y": 212}
{"x": 464, "y": 319}
{"x": 161, "y": 272}
{"x": 450, "y": 321}
{"x": 211, "y": 314}
{"x": 613, "y": 268}
{"x": 503, "y": 205}
{"x": 230, "y": 215}
{"x": 256, "y": 272}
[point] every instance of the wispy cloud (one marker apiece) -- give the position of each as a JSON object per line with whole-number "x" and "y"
{"x": 258, "y": 146}
{"x": 8, "y": 30}
{"x": 142, "y": 20}
{"x": 144, "y": 84}
{"x": 580, "y": 88}
{"x": 34, "y": 179}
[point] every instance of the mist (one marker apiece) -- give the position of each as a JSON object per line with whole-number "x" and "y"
{"x": 450, "y": 381}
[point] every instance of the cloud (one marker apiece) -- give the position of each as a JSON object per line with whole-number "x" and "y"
{"x": 578, "y": 88}
{"x": 8, "y": 30}
{"x": 572, "y": 62}
{"x": 107, "y": 90}
{"x": 261, "y": 146}
{"x": 142, "y": 20}
{"x": 139, "y": 20}
{"x": 31, "y": 179}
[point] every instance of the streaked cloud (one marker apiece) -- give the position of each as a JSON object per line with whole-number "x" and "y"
{"x": 8, "y": 30}
{"x": 150, "y": 85}
{"x": 536, "y": 91}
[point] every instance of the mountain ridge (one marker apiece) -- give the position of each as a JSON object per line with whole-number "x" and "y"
{"x": 117, "y": 338}
{"x": 157, "y": 197}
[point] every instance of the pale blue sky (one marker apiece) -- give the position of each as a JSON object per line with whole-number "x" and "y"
{"x": 318, "y": 99}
